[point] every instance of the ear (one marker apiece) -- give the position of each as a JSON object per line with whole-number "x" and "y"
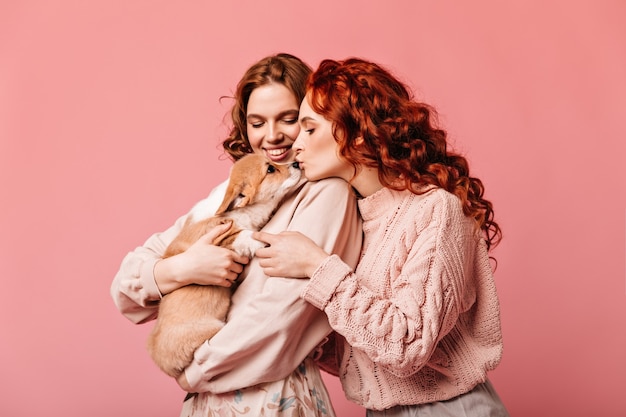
{"x": 238, "y": 194}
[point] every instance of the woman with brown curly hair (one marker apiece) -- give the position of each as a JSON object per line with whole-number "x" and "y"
{"x": 260, "y": 362}
{"x": 417, "y": 322}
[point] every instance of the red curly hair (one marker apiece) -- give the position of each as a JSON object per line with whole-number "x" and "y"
{"x": 399, "y": 135}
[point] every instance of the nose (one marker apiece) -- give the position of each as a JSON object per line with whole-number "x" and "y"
{"x": 295, "y": 164}
{"x": 273, "y": 133}
{"x": 297, "y": 145}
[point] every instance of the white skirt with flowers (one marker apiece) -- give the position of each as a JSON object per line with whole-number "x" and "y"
{"x": 301, "y": 394}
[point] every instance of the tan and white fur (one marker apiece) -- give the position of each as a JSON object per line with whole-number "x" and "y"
{"x": 192, "y": 314}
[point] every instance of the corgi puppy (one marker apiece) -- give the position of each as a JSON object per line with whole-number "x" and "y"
{"x": 194, "y": 313}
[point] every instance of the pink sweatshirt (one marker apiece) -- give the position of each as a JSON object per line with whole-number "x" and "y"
{"x": 270, "y": 329}
{"x": 420, "y": 315}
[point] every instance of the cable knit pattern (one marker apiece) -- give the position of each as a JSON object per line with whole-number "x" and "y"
{"x": 420, "y": 314}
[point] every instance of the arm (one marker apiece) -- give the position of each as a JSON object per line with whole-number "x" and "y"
{"x": 144, "y": 277}
{"x": 270, "y": 329}
{"x": 399, "y": 325}
{"x": 134, "y": 289}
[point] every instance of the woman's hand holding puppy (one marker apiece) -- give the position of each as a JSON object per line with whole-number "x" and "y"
{"x": 289, "y": 254}
{"x": 203, "y": 264}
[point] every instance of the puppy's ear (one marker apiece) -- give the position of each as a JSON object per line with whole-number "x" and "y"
{"x": 237, "y": 195}
{"x": 218, "y": 240}
{"x": 245, "y": 176}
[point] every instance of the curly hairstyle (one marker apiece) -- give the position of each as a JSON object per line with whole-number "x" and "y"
{"x": 282, "y": 68}
{"x": 377, "y": 123}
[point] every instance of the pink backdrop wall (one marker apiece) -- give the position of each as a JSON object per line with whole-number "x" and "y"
{"x": 109, "y": 125}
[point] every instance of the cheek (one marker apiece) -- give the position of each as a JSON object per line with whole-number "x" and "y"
{"x": 255, "y": 137}
{"x": 292, "y": 132}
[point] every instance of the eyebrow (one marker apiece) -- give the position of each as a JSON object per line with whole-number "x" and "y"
{"x": 306, "y": 119}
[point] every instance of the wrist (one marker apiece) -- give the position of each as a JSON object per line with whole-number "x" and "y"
{"x": 168, "y": 276}
{"x": 315, "y": 262}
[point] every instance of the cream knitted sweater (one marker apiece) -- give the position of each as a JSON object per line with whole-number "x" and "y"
{"x": 420, "y": 315}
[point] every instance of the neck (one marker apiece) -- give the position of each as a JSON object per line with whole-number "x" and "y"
{"x": 366, "y": 182}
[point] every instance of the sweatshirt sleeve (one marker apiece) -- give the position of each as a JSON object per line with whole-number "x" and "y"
{"x": 399, "y": 322}
{"x": 134, "y": 290}
{"x": 270, "y": 329}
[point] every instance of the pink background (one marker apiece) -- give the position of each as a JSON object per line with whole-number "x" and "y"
{"x": 109, "y": 125}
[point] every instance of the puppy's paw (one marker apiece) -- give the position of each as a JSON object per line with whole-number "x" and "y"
{"x": 245, "y": 245}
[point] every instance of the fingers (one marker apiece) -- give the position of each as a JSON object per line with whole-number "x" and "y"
{"x": 264, "y": 262}
{"x": 216, "y": 231}
{"x": 225, "y": 283}
{"x": 229, "y": 279}
{"x": 266, "y": 252}
{"x": 237, "y": 266}
{"x": 240, "y": 260}
{"x": 210, "y": 236}
{"x": 182, "y": 382}
{"x": 263, "y": 237}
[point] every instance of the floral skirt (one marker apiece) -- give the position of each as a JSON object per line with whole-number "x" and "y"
{"x": 301, "y": 394}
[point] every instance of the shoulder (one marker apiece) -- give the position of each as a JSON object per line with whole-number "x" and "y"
{"x": 438, "y": 201}
{"x": 434, "y": 200}
{"x": 329, "y": 187}
{"x": 319, "y": 207}
{"x": 436, "y": 209}
{"x": 329, "y": 183}
{"x": 207, "y": 207}
{"x": 320, "y": 200}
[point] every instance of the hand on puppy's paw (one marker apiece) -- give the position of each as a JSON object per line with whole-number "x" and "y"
{"x": 245, "y": 245}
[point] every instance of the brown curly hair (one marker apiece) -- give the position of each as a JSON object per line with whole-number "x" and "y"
{"x": 382, "y": 126}
{"x": 282, "y": 68}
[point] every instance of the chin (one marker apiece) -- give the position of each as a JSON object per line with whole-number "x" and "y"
{"x": 312, "y": 176}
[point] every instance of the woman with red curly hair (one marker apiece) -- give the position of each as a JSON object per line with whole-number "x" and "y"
{"x": 417, "y": 323}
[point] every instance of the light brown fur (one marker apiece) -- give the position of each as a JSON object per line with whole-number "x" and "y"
{"x": 194, "y": 313}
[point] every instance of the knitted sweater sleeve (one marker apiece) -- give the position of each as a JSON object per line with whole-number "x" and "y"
{"x": 404, "y": 297}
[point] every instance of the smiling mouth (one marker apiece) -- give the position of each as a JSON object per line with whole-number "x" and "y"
{"x": 277, "y": 153}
